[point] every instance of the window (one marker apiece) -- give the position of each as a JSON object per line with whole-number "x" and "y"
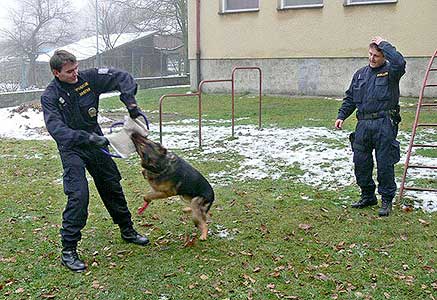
{"x": 230, "y": 6}
{"x": 284, "y": 4}
{"x": 359, "y": 2}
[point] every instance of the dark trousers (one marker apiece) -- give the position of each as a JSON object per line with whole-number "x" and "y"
{"x": 106, "y": 177}
{"x": 377, "y": 135}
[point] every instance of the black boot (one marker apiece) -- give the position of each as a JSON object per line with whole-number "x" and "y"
{"x": 130, "y": 235}
{"x": 71, "y": 260}
{"x": 385, "y": 209}
{"x": 365, "y": 201}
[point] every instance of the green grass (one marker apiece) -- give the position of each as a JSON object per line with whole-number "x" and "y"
{"x": 279, "y": 246}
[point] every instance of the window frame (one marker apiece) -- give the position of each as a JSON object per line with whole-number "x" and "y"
{"x": 223, "y": 9}
{"x": 364, "y": 2}
{"x": 281, "y": 5}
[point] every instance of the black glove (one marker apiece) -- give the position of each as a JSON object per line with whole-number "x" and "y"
{"x": 97, "y": 140}
{"x": 134, "y": 111}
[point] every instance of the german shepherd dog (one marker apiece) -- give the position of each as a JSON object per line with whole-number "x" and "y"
{"x": 170, "y": 175}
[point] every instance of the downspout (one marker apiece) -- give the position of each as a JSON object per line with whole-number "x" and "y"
{"x": 199, "y": 74}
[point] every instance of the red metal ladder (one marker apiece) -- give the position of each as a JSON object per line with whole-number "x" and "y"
{"x": 417, "y": 124}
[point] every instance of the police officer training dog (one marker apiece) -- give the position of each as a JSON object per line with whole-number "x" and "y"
{"x": 170, "y": 175}
{"x": 70, "y": 105}
{"x": 374, "y": 93}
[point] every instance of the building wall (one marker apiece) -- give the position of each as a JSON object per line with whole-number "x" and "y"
{"x": 312, "y": 51}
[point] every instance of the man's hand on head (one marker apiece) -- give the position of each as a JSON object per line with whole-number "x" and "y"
{"x": 377, "y": 40}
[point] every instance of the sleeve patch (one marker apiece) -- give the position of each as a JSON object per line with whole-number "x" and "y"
{"x": 103, "y": 71}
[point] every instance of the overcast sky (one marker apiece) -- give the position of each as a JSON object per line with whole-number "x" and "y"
{"x": 7, "y": 4}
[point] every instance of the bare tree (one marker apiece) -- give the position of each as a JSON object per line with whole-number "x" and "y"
{"x": 114, "y": 19}
{"x": 163, "y": 16}
{"x": 37, "y": 24}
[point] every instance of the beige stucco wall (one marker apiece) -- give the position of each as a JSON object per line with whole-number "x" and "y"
{"x": 332, "y": 31}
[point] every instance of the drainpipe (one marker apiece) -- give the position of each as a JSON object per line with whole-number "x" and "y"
{"x": 199, "y": 74}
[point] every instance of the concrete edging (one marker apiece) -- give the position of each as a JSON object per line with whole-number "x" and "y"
{"x": 16, "y": 98}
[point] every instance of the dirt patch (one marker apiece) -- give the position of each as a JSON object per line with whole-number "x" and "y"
{"x": 34, "y": 105}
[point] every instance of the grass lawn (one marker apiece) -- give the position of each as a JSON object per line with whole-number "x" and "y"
{"x": 269, "y": 239}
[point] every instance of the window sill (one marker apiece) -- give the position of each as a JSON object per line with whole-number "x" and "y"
{"x": 239, "y": 11}
{"x": 301, "y": 7}
{"x": 370, "y": 3}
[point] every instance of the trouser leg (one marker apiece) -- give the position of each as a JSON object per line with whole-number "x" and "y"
{"x": 387, "y": 155}
{"x": 76, "y": 188}
{"x": 107, "y": 180}
{"x": 363, "y": 161}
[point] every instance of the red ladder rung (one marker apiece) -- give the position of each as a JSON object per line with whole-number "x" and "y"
{"x": 424, "y": 145}
{"x": 422, "y": 167}
{"x": 427, "y": 124}
{"x": 416, "y": 124}
{"x": 414, "y": 188}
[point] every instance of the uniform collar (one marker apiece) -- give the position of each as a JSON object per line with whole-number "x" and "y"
{"x": 379, "y": 68}
{"x": 67, "y": 86}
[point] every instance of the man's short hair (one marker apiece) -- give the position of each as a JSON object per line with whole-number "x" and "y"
{"x": 60, "y": 58}
{"x": 375, "y": 46}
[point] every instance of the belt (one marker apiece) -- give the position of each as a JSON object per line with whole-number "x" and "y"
{"x": 374, "y": 115}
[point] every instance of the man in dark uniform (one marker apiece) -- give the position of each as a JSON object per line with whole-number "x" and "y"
{"x": 70, "y": 105}
{"x": 374, "y": 92}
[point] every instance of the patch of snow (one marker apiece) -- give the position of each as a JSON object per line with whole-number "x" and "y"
{"x": 322, "y": 156}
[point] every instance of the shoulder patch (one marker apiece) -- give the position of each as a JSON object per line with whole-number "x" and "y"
{"x": 103, "y": 71}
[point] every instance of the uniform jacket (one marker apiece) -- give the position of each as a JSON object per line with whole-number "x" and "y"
{"x": 375, "y": 89}
{"x": 70, "y": 110}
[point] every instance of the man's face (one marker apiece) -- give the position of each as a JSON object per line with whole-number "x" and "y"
{"x": 376, "y": 58}
{"x": 68, "y": 73}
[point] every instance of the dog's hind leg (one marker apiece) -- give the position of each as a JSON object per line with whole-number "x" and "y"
{"x": 198, "y": 213}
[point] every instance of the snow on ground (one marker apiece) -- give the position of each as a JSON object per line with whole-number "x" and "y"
{"x": 323, "y": 155}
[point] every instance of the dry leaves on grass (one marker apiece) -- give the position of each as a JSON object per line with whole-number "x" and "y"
{"x": 424, "y": 223}
{"x": 305, "y": 227}
{"x": 189, "y": 241}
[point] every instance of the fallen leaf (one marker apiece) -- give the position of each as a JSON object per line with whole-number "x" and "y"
{"x": 407, "y": 208}
{"x": 204, "y": 277}
{"x": 305, "y": 226}
{"x": 256, "y": 270}
{"x": 48, "y": 296}
{"x": 387, "y": 295}
{"x": 189, "y": 241}
{"x": 424, "y": 223}
{"x": 271, "y": 285}
{"x": 247, "y": 277}
{"x": 321, "y": 276}
{"x": 246, "y": 253}
{"x": 19, "y": 291}
{"x": 428, "y": 268}
{"x": 264, "y": 229}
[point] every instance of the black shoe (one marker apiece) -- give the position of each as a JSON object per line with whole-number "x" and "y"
{"x": 365, "y": 201}
{"x": 385, "y": 209}
{"x": 130, "y": 235}
{"x": 70, "y": 259}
